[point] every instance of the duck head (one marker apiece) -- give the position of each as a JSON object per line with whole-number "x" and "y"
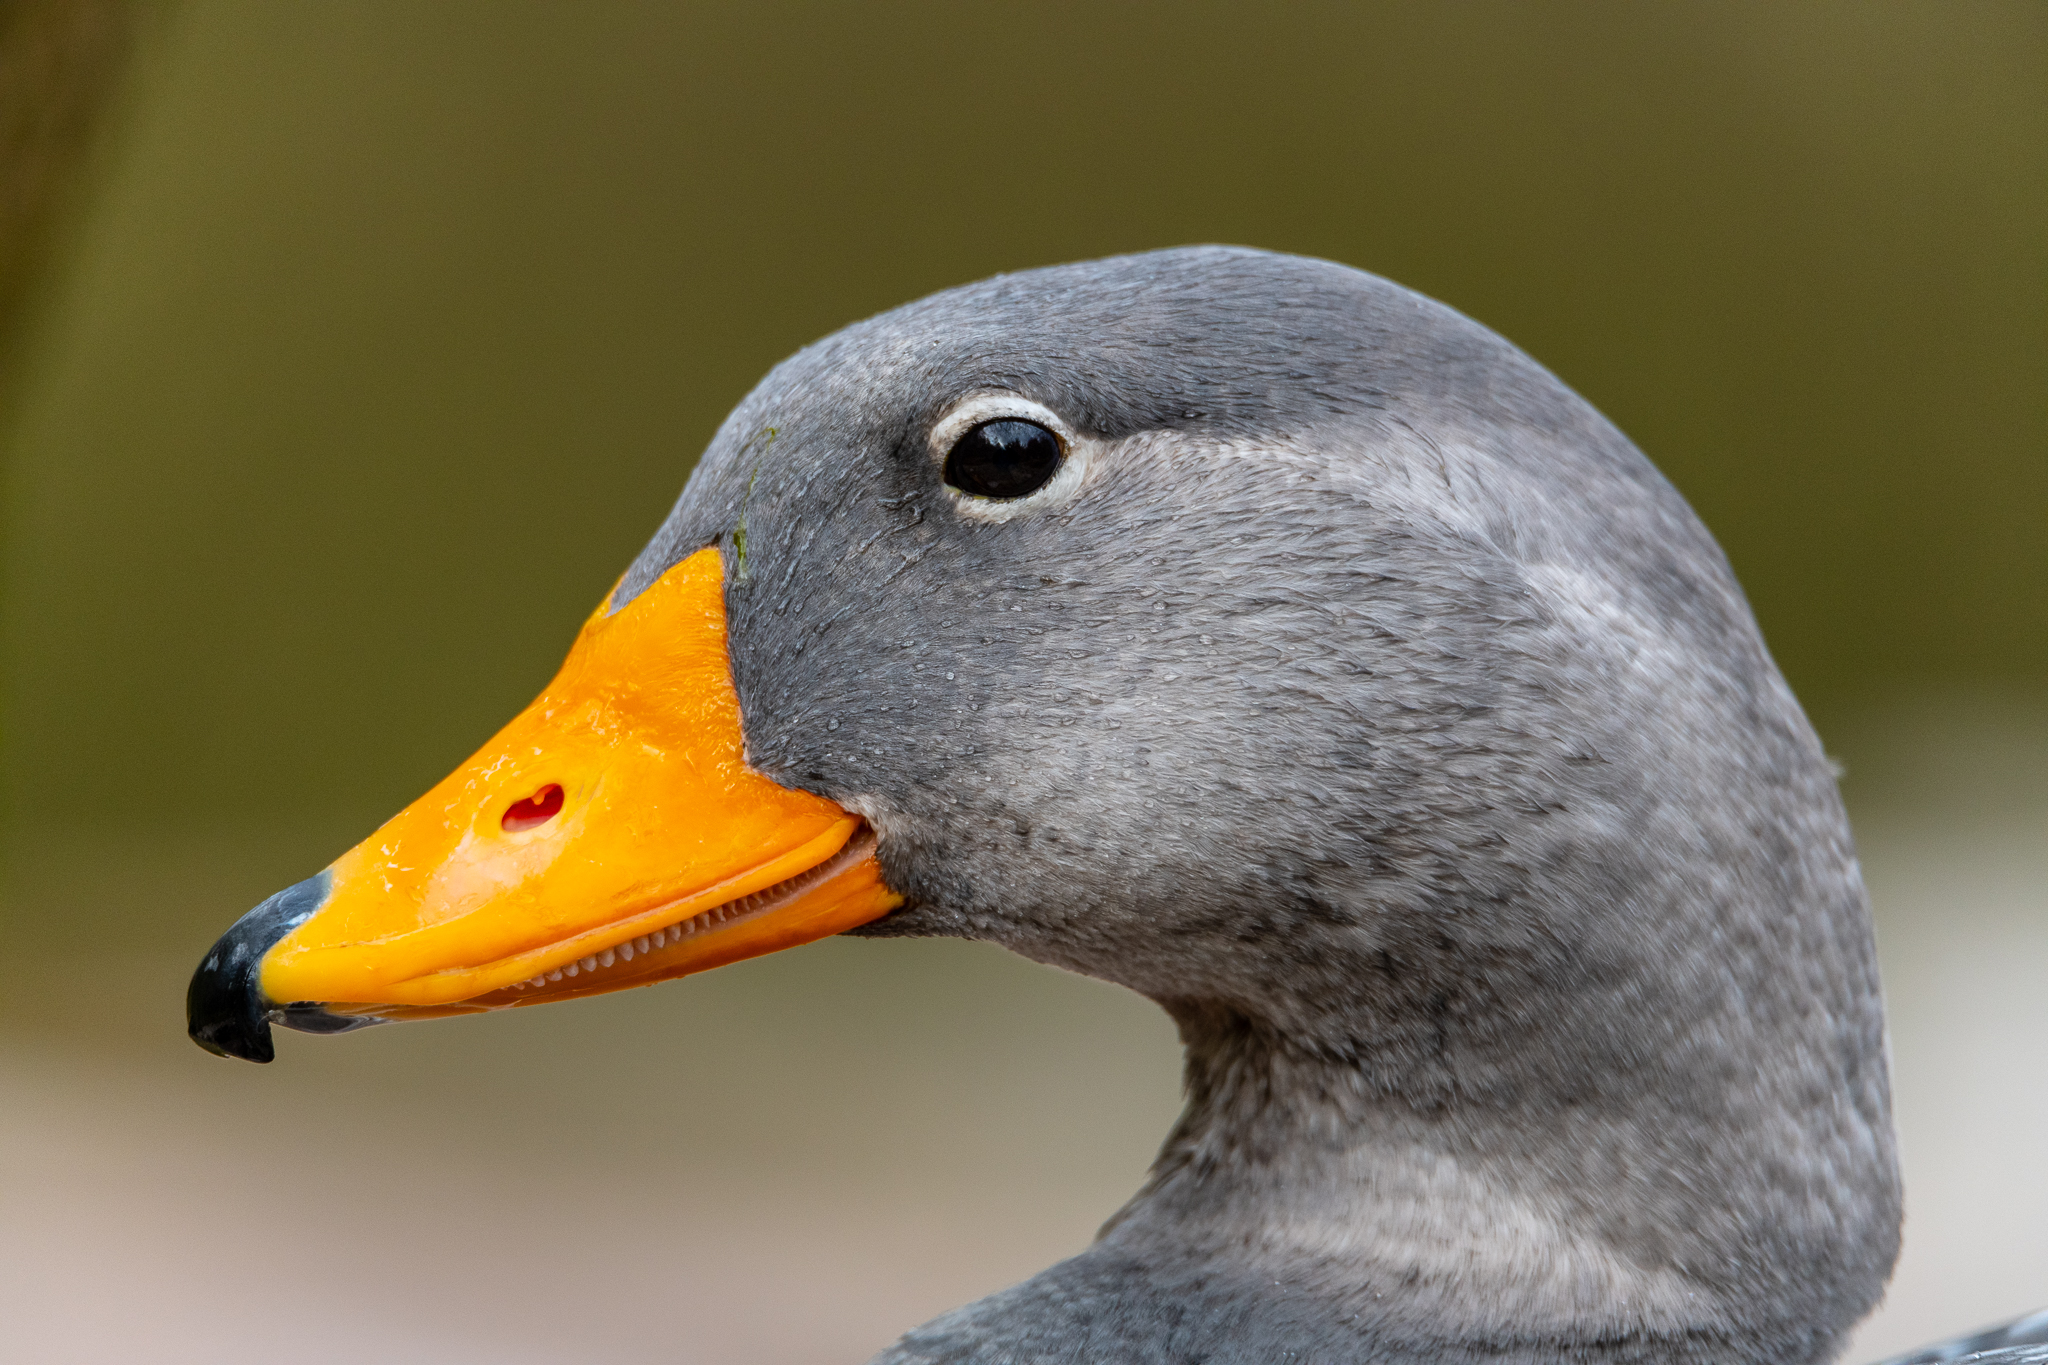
{"x": 1286, "y": 647}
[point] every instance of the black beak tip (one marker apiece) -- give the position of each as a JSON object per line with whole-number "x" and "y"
{"x": 224, "y": 1012}
{"x": 225, "y": 1009}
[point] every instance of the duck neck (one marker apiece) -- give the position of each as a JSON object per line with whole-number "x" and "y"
{"x": 1452, "y": 1220}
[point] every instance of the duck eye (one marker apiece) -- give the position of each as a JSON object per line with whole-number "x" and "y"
{"x": 1003, "y": 459}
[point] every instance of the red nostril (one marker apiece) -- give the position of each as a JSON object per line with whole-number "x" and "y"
{"x": 536, "y": 809}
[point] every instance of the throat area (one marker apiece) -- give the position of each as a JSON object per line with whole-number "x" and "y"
{"x": 1421, "y": 1240}
{"x": 1433, "y": 1223}
{"x": 1422, "y": 1237}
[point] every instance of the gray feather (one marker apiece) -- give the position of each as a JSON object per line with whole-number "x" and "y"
{"x": 2023, "y": 1341}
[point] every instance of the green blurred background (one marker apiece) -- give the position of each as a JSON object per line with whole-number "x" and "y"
{"x": 379, "y": 336}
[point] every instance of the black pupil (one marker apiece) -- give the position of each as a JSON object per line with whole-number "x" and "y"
{"x": 1004, "y": 459}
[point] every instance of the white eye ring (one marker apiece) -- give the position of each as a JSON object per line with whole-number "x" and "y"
{"x": 980, "y": 408}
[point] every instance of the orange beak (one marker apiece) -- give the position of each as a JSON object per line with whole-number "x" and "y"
{"x": 611, "y": 836}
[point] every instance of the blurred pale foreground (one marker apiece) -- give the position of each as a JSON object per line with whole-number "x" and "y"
{"x": 794, "y": 1159}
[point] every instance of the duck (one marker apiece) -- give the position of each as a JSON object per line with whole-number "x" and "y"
{"x": 1268, "y": 639}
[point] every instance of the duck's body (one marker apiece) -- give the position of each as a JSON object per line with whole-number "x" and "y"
{"x": 1353, "y": 689}
{"x": 2023, "y": 1341}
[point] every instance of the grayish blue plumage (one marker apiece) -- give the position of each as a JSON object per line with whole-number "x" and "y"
{"x": 2023, "y": 1341}
{"x": 1361, "y": 695}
